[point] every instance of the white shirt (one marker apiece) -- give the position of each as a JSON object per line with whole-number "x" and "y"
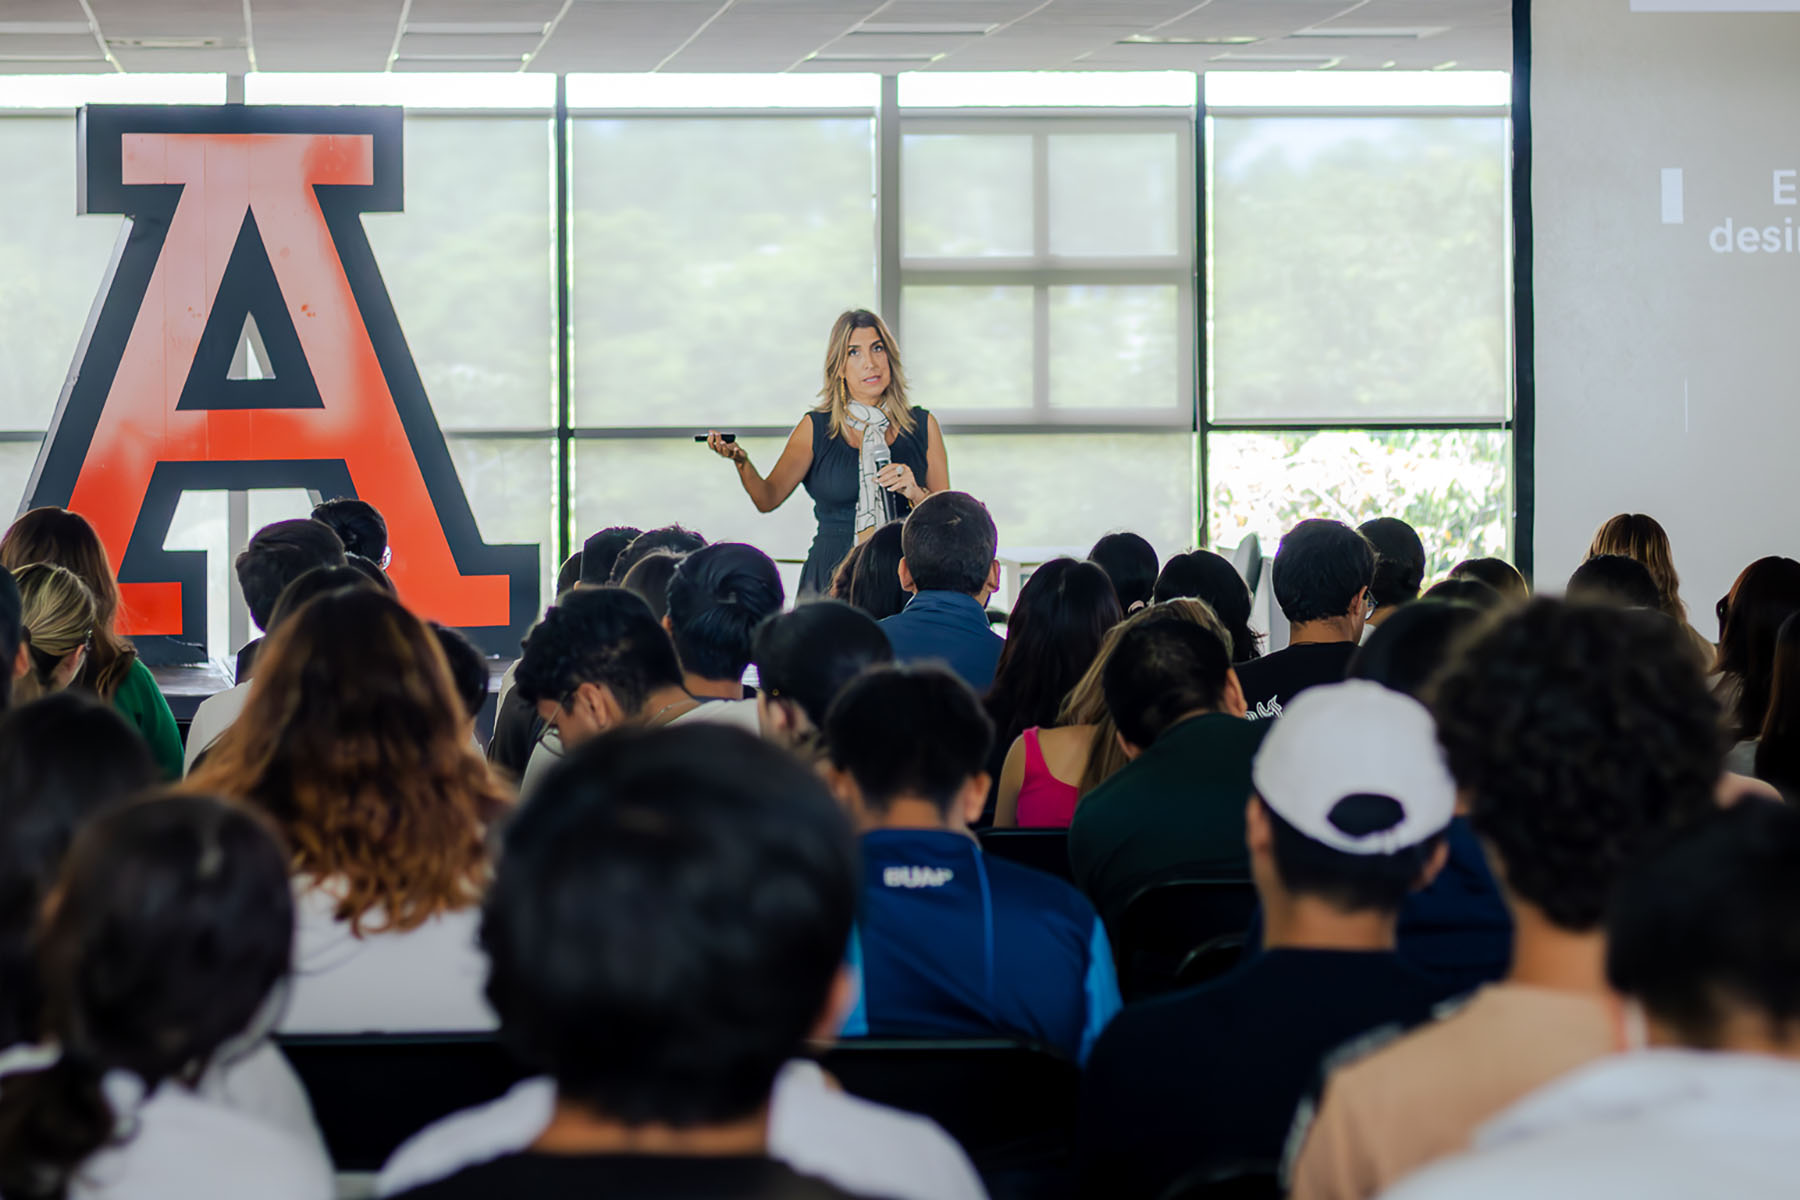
{"x": 216, "y": 714}
{"x": 739, "y": 713}
{"x": 429, "y": 979}
{"x": 864, "y": 1148}
{"x": 1646, "y": 1125}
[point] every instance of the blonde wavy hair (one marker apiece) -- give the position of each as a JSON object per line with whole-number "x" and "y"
{"x": 58, "y": 612}
{"x": 1641, "y": 537}
{"x": 56, "y": 535}
{"x": 834, "y": 397}
{"x": 353, "y": 741}
{"x": 1086, "y": 702}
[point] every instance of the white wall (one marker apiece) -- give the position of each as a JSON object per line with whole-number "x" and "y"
{"x": 1668, "y": 375}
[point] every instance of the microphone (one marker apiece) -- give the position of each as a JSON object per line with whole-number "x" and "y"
{"x": 889, "y": 501}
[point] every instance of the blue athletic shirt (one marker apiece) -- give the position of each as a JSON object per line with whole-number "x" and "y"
{"x": 951, "y": 943}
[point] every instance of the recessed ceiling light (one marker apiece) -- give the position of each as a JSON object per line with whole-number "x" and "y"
{"x": 963, "y": 29}
{"x": 1146, "y": 39}
{"x": 872, "y": 56}
{"x": 43, "y": 28}
{"x": 169, "y": 43}
{"x": 456, "y": 58}
{"x": 1323, "y": 62}
{"x": 477, "y": 28}
{"x": 1389, "y": 32}
{"x": 51, "y": 58}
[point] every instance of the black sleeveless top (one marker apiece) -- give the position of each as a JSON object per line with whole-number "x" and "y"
{"x": 833, "y": 482}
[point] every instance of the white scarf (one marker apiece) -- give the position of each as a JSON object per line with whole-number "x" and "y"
{"x": 873, "y": 506}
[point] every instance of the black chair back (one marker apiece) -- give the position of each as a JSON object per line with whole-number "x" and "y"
{"x": 1161, "y": 925}
{"x": 370, "y": 1092}
{"x": 1045, "y": 849}
{"x": 1236, "y": 1181}
{"x": 1210, "y": 961}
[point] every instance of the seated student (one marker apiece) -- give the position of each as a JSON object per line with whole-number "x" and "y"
{"x": 1497, "y": 573}
{"x": 468, "y": 676}
{"x": 1700, "y": 937}
{"x": 1352, "y": 800}
{"x": 600, "y": 553}
{"x": 1578, "y": 735}
{"x": 1613, "y": 579}
{"x": 804, "y": 658}
{"x": 947, "y": 562}
{"x": 217, "y": 712}
{"x": 1130, "y": 562}
{"x": 170, "y": 935}
{"x": 597, "y": 661}
{"x": 650, "y": 578}
{"x": 665, "y": 1022}
{"x": 1176, "y": 810}
{"x": 845, "y": 571}
{"x": 671, "y": 539}
{"x": 717, "y": 598}
{"x": 355, "y": 744}
{"x": 360, "y": 526}
{"x": 15, "y": 660}
{"x": 517, "y": 727}
{"x": 1203, "y": 575}
{"x": 716, "y": 780}
{"x": 952, "y": 942}
{"x": 1322, "y": 574}
{"x": 1399, "y": 567}
{"x": 875, "y": 580}
{"x": 58, "y": 614}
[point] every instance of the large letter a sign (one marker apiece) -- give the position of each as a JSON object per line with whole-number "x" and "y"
{"x": 253, "y": 214}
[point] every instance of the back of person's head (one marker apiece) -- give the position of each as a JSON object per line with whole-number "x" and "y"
{"x": 909, "y": 732}
{"x": 1057, "y": 624}
{"x": 667, "y": 921}
{"x": 948, "y": 544}
{"x": 569, "y": 574}
{"x": 1467, "y": 591}
{"x": 1162, "y": 670}
{"x": 602, "y": 636}
{"x": 717, "y": 597}
{"x": 1614, "y": 579}
{"x": 56, "y": 535}
{"x": 359, "y": 526}
{"x": 1322, "y": 570}
{"x": 1354, "y": 796}
{"x": 1577, "y": 734}
{"x": 1497, "y": 573}
{"x": 316, "y": 582}
{"x": 371, "y": 571}
{"x": 672, "y": 538}
{"x": 807, "y": 656}
{"x": 1778, "y": 747}
{"x": 1203, "y": 575}
{"x": 277, "y": 555}
{"x": 1399, "y": 560}
{"x": 173, "y": 923}
{"x": 1704, "y": 932}
{"x": 354, "y": 741}
{"x": 468, "y": 668}
{"x": 1640, "y": 538}
{"x": 649, "y": 578}
{"x": 12, "y": 633}
{"x": 875, "y": 581}
{"x": 63, "y": 759}
{"x": 1409, "y": 649}
{"x": 601, "y": 552}
{"x": 58, "y": 613}
{"x": 1130, "y": 562}
{"x": 1765, "y": 594}
{"x": 844, "y": 572}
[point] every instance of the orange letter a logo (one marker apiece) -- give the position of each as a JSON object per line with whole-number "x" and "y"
{"x": 254, "y": 213}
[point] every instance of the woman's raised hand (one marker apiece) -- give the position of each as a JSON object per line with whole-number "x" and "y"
{"x": 715, "y": 441}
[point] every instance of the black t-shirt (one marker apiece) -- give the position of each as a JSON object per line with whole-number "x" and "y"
{"x": 1271, "y": 681}
{"x": 1213, "y": 1076}
{"x": 626, "y": 1177}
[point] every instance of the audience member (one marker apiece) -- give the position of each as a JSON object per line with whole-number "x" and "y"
{"x": 354, "y": 742}
{"x": 1775, "y": 755}
{"x": 1498, "y": 574}
{"x": 1765, "y": 594}
{"x": 1057, "y": 625}
{"x": 1203, "y": 575}
{"x": 1321, "y": 578}
{"x": 1130, "y": 562}
{"x": 56, "y": 611}
{"x": 666, "y": 931}
{"x": 1399, "y": 567}
{"x": 670, "y": 538}
{"x": 650, "y": 578}
{"x": 1468, "y": 591}
{"x": 1577, "y": 735}
{"x": 845, "y": 571}
{"x": 875, "y": 583}
{"x": 568, "y": 576}
{"x": 277, "y": 555}
{"x": 372, "y": 573}
{"x": 1700, "y": 936}
{"x": 62, "y": 759}
{"x": 804, "y": 658}
{"x": 947, "y": 562}
{"x": 219, "y": 711}
{"x": 1614, "y": 579}
{"x": 1640, "y": 538}
{"x": 169, "y": 935}
{"x": 1176, "y": 810}
{"x": 114, "y": 671}
{"x": 359, "y": 526}
{"x": 717, "y": 598}
{"x": 14, "y": 660}
{"x": 468, "y": 676}
{"x": 1352, "y": 800}
{"x": 952, "y": 942}
{"x": 600, "y": 554}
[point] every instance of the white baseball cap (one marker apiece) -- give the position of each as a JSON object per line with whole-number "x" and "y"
{"x": 1356, "y": 739}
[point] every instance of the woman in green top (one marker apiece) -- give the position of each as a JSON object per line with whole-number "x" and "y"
{"x": 113, "y": 670}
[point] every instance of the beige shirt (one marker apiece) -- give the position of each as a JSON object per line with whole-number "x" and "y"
{"x": 1425, "y": 1095}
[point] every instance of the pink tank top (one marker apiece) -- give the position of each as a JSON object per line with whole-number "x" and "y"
{"x": 1045, "y": 802}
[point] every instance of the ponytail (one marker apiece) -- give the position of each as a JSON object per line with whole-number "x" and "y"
{"x": 53, "y": 1117}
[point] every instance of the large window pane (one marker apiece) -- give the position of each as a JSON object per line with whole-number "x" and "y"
{"x": 968, "y": 348}
{"x": 471, "y": 267}
{"x": 1452, "y": 486}
{"x": 1115, "y": 347}
{"x": 710, "y": 257}
{"x": 16, "y": 461}
{"x": 1359, "y": 268}
{"x": 1115, "y": 194}
{"x": 966, "y": 195}
{"x": 510, "y": 486}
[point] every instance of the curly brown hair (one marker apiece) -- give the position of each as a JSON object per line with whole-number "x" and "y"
{"x": 352, "y": 741}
